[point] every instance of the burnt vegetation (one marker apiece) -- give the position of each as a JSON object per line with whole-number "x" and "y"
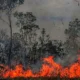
{"x": 44, "y": 78}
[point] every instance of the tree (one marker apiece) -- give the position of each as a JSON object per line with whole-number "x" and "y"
{"x": 58, "y": 48}
{"x": 3, "y": 38}
{"x": 42, "y": 37}
{"x": 72, "y": 36}
{"x": 42, "y": 40}
{"x": 28, "y": 28}
{"x": 3, "y": 34}
{"x": 8, "y": 6}
{"x": 19, "y": 49}
{"x": 48, "y": 46}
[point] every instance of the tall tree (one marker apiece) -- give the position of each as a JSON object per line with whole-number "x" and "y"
{"x": 72, "y": 35}
{"x": 44, "y": 40}
{"x": 28, "y": 27}
{"x": 3, "y": 38}
{"x": 7, "y": 7}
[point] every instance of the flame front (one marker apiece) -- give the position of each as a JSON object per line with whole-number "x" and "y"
{"x": 49, "y": 69}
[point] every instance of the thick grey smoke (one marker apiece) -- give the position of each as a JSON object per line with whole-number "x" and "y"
{"x": 54, "y": 15}
{"x": 68, "y": 59}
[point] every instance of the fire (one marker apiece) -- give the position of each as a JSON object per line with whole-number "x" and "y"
{"x": 49, "y": 69}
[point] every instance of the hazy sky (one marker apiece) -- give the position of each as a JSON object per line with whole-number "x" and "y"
{"x": 54, "y": 15}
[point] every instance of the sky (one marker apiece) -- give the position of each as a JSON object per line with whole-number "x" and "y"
{"x": 53, "y": 15}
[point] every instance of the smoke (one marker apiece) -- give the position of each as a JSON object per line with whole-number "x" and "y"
{"x": 67, "y": 59}
{"x": 36, "y": 67}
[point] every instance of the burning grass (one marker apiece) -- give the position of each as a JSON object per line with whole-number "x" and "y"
{"x": 49, "y": 70}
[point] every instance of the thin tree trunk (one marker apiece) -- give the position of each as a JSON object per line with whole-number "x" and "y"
{"x": 10, "y": 46}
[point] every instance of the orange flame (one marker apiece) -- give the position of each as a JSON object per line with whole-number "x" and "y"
{"x": 49, "y": 69}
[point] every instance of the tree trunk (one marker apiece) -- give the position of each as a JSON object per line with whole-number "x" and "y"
{"x": 10, "y": 46}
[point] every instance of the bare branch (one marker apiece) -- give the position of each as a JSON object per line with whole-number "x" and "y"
{"x": 3, "y": 20}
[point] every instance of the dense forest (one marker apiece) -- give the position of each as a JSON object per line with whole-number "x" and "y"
{"x": 27, "y": 47}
